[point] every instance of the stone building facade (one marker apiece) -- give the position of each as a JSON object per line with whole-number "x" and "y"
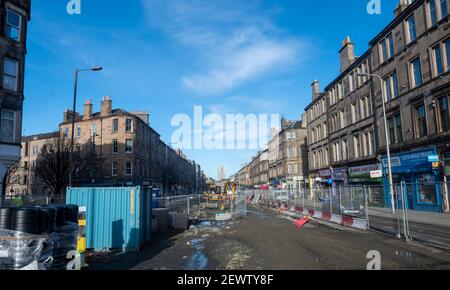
{"x": 342, "y": 136}
{"x": 288, "y": 154}
{"x": 411, "y": 55}
{"x": 129, "y": 152}
{"x": 259, "y": 169}
{"x": 284, "y": 162}
{"x": 14, "y": 17}
{"x": 23, "y": 181}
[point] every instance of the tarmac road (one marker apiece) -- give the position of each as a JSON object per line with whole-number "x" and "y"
{"x": 267, "y": 241}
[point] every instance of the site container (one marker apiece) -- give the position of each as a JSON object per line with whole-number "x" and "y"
{"x": 116, "y": 217}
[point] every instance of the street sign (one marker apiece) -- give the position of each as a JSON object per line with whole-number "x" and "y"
{"x": 376, "y": 174}
{"x": 433, "y": 158}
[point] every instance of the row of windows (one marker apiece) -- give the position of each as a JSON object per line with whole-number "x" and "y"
{"x": 354, "y": 80}
{"x": 320, "y": 158}
{"x": 440, "y": 56}
{"x": 318, "y": 133}
{"x": 435, "y": 11}
{"x": 128, "y": 168}
{"x": 115, "y": 128}
{"x": 291, "y": 136}
{"x": 360, "y": 109}
{"x": 420, "y": 124}
{"x": 317, "y": 110}
{"x": 363, "y": 145}
{"x": 13, "y": 31}
{"x": 128, "y": 146}
{"x": 338, "y": 121}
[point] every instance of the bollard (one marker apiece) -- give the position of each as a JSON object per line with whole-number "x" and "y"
{"x": 188, "y": 205}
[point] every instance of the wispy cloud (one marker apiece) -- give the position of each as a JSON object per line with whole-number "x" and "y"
{"x": 234, "y": 41}
{"x": 246, "y": 104}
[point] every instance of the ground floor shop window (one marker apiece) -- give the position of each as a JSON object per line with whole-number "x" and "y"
{"x": 426, "y": 188}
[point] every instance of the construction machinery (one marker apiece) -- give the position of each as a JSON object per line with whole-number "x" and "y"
{"x": 218, "y": 197}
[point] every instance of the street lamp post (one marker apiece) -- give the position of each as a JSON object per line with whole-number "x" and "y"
{"x": 391, "y": 184}
{"x": 73, "y": 116}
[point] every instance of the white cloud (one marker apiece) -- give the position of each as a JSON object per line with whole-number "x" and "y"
{"x": 234, "y": 41}
{"x": 240, "y": 65}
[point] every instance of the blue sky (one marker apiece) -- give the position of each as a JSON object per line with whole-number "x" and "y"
{"x": 167, "y": 56}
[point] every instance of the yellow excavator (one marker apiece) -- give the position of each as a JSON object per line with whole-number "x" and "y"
{"x": 217, "y": 194}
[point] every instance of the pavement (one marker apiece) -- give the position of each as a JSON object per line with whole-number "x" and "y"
{"x": 426, "y": 227}
{"x": 265, "y": 240}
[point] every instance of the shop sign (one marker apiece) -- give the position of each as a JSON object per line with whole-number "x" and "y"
{"x": 376, "y": 174}
{"x": 338, "y": 174}
{"x": 413, "y": 160}
{"x": 325, "y": 173}
{"x": 433, "y": 158}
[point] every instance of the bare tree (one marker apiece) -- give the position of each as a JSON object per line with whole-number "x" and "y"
{"x": 54, "y": 164}
{"x": 13, "y": 176}
{"x": 168, "y": 176}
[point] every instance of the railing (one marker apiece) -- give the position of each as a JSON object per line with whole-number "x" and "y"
{"x": 31, "y": 200}
{"x": 418, "y": 212}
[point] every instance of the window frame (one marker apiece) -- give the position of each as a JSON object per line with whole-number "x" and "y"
{"x": 115, "y": 125}
{"x": 394, "y": 91}
{"x": 14, "y": 123}
{"x": 439, "y": 113}
{"x": 9, "y": 9}
{"x": 126, "y": 168}
{"x": 131, "y": 125}
{"x": 418, "y": 120}
{"x": 114, "y": 168}
{"x": 115, "y": 146}
{"x": 430, "y": 15}
{"x": 16, "y": 77}
{"x": 127, "y": 147}
{"x": 408, "y": 29}
{"x": 412, "y": 71}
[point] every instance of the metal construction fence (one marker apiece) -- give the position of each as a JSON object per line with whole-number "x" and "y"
{"x": 350, "y": 201}
{"x": 202, "y": 206}
{"x": 416, "y": 213}
{"x": 31, "y": 200}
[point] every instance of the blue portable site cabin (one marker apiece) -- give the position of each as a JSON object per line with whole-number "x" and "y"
{"x": 116, "y": 217}
{"x": 421, "y": 179}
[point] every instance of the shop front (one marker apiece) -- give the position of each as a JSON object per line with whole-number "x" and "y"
{"x": 361, "y": 175}
{"x": 419, "y": 171}
{"x": 340, "y": 176}
{"x": 325, "y": 178}
{"x": 370, "y": 177}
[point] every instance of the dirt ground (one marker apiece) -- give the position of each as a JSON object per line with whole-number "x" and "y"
{"x": 265, "y": 240}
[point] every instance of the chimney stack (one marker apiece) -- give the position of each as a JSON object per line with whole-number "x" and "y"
{"x": 87, "y": 110}
{"x": 347, "y": 54}
{"x": 315, "y": 89}
{"x": 68, "y": 115}
{"x": 106, "y": 108}
{"x": 283, "y": 122}
{"x": 402, "y": 5}
{"x": 144, "y": 116}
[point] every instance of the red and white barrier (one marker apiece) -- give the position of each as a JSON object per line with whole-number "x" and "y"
{"x": 334, "y": 218}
